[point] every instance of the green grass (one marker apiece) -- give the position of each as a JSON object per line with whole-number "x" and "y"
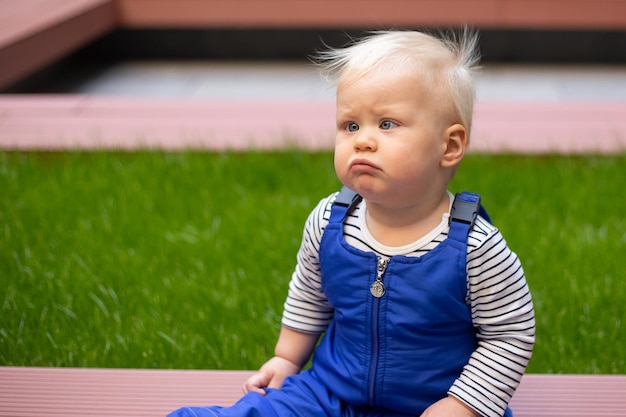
{"x": 182, "y": 260}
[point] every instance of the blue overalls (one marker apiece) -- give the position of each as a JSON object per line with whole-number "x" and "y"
{"x": 400, "y": 335}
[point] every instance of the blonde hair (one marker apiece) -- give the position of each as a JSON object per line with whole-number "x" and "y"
{"x": 448, "y": 64}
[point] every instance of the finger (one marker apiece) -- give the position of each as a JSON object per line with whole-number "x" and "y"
{"x": 247, "y": 389}
{"x": 256, "y": 383}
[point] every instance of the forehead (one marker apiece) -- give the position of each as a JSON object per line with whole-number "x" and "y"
{"x": 394, "y": 90}
{"x": 399, "y": 82}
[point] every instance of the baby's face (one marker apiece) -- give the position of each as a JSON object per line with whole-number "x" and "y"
{"x": 390, "y": 137}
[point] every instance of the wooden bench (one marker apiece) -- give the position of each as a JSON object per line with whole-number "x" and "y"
{"x": 36, "y": 33}
{"x": 118, "y": 123}
{"x": 50, "y": 392}
{"x": 369, "y": 14}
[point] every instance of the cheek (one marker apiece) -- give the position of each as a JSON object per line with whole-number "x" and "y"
{"x": 413, "y": 163}
{"x": 339, "y": 161}
{"x": 341, "y": 157}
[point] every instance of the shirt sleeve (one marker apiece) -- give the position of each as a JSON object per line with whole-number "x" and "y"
{"x": 503, "y": 314}
{"x": 306, "y": 308}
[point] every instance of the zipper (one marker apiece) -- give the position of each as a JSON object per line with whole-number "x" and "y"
{"x": 377, "y": 289}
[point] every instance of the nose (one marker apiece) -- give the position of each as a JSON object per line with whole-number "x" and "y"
{"x": 365, "y": 140}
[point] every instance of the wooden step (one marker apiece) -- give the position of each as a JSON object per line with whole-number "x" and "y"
{"x": 29, "y": 122}
{"x": 63, "y": 392}
{"x": 36, "y": 33}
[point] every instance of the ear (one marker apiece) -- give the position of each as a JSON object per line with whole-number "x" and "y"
{"x": 455, "y": 143}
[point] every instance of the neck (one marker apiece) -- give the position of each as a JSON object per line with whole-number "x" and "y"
{"x": 399, "y": 226}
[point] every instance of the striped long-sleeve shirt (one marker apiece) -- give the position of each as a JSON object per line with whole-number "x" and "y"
{"x": 497, "y": 295}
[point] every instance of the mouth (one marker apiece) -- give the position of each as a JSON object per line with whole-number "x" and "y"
{"x": 363, "y": 165}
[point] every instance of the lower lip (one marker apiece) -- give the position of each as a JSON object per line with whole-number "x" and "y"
{"x": 362, "y": 168}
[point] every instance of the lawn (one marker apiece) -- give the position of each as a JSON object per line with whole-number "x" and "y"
{"x": 182, "y": 260}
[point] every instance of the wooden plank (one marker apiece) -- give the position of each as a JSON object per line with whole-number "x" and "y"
{"x": 542, "y": 395}
{"x": 374, "y": 14}
{"x": 563, "y": 14}
{"x": 97, "y": 122}
{"x": 31, "y": 392}
{"x": 549, "y": 127}
{"x": 341, "y": 14}
{"x": 23, "y": 19}
{"x": 36, "y": 33}
{"x": 35, "y": 391}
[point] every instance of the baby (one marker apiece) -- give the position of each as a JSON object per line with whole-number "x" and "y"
{"x": 421, "y": 307}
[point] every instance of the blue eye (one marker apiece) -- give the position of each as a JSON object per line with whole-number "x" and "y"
{"x": 352, "y": 127}
{"x": 387, "y": 124}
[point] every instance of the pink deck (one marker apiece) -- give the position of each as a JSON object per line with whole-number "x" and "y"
{"x": 343, "y": 14}
{"x": 50, "y": 392}
{"x": 30, "y": 392}
{"x": 93, "y": 122}
{"x": 36, "y": 33}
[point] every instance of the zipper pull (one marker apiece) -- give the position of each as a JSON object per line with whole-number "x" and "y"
{"x": 378, "y": 288}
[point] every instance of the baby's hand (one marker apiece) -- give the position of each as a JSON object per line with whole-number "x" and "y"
{"x": 449, "y": 406}
{"x": 271, "y": 375}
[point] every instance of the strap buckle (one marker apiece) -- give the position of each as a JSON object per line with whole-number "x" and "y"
{"x": 465, "y": 208}
{"x": 347, "y": 198}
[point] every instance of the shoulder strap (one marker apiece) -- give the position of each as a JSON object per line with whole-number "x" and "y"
{"x": 465, "y": 208}
{"x": 344, "y": 203}
{"x": 347, "y": 198}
